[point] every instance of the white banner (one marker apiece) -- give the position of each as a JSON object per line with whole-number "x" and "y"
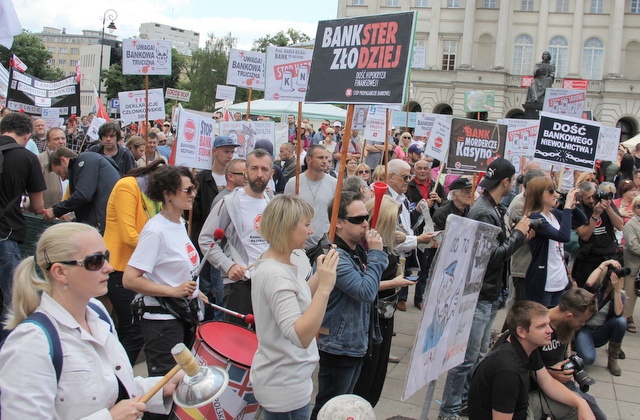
{"x": 437, "y": 145}
{"x": 92, "y": 131}
{"x": 226, "y": 93}
{"x": 133, "y": 104}
{"x": 287, "y": 73}
{"x": 177, "y": 94}
{"x": 51, "y": 116}
{"x": 567, "y": 102}
{"x": 460, "y": 264}
{"x": 376, "y": 126}
{"x": 194, "y": 140}
{"x": 608, "y": 142}
{"x": 521, "y": 139}
{"x": 246, "y": 69}
{"x": 146, "y": 56}
{"x": 247, "y": 133}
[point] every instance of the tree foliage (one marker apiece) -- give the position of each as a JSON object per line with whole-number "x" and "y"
{"x": 281, "y": 39}
{"x": 31, "y": 50}
{"x": 115, "y": 81}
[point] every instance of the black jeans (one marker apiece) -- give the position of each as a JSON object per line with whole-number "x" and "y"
{"x": 128, "y": 329}
{"x": 237, "y": 297}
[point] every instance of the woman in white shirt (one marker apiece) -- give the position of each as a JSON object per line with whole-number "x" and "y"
{"x": 96, "y": 379}
{"x": 289, "y": 304}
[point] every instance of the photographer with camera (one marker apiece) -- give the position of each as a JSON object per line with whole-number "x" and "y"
{"x": 547, "y": 276}
{"x": 608, "y": 324}
{"x": 576, "y": 307}
{"x": 597, "y": 236}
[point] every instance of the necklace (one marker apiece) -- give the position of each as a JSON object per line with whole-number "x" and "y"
{"x": 317, "y": 188}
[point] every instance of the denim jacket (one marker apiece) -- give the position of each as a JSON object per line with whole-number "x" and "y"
{"x": 345, "y": 327}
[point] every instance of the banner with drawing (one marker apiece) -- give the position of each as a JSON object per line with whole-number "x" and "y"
{"x": 567, "y": 102}
{"x": 456, "y": 278}
{"x": 247, "y": 133}
{"x": 246, "y": 69}
{"x": 287, "y": 74}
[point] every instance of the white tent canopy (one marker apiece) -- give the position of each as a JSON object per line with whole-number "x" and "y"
{"x": 631, "y": 143}
{"x": 283, "y": 108}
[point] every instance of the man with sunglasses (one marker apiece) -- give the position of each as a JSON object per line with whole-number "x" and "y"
{"x": 597, "y": 237}
{"x": 497, "y": 183}
{"x": 342, "y": 345}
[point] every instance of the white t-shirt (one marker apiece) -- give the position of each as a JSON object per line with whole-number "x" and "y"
{"x": 556, "y": 271}
{"x": 249, "y": 221}
{"x": 221, "y": 180}
{"x": 166, "y": 255}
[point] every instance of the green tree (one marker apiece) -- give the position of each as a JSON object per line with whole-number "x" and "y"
{"x": 115, "y": 81}
{"x": 208, "y": 69}
{"x": 281, "y": 39}
{"x": 31, "y": 50}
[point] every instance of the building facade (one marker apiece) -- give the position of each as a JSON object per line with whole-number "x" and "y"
{"x": 183, "y": 40}
{"x": 465, "y": 45}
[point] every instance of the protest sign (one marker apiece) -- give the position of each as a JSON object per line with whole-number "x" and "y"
{"x": 423, "y": 124}
{"x": 479, "y": 101}
{"x": 456, "y": 277}
{"x": 474, "y": 145}
{"x": 146, "y": 57}
{"x": 92, "y": 131}
{"x": 246, "y": 69}
{"x": 359, "y": 117}
{"x": 566, "y": 141}
{"x": 64, "y": 94}
{"x": 362, "y": 60}
{"x": 226, "y": 93}
{"x": 376, "y": 127}
{"x": 608, "y": 143}
{"x": 177, "y": 94}
{"x": 247, "y": 133}
{"x": 567, "y": 102}
{"x": 287, "y": 74}
{"x": 521, "y": 139}
{"x": 133, "y": 104}
{"x": 51, "y": 116}
{"x": 437, "y": 144}
{"x": 194, "y": 140}
{"x": 399, "y": 119}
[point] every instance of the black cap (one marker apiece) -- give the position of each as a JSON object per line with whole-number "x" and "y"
{"x": 460, "y": 184}
{"x": 498, "y": 170}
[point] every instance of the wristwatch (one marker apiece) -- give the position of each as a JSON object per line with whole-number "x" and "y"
{"x": 596, "y": 219}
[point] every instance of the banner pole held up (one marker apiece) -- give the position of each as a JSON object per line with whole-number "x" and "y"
{"x": 298, "y": 148}
{"x": 343, "y": 161}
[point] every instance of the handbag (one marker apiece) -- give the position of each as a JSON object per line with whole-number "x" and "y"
{"x": 181, "y": 308}
{"x": 387, "y": 305}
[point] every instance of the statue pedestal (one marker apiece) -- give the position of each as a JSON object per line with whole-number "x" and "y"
{"x": 532, "y": 110}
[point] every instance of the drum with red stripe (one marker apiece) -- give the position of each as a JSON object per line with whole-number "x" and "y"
{"x": 232, "y": 348}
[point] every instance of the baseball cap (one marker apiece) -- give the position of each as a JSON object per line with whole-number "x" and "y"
{"x": 337, "y": 124}
{"x": 414, "y": 148}
{"x": 222, "y": 141}
{"x": 264, "y": 144}
{"x": 498, "y": 170}
{"x": 460, "y": 184}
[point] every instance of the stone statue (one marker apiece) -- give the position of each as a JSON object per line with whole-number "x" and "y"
{"x": 543, "y": 76}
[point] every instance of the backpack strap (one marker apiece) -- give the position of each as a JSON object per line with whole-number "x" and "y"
{"x": 55, "y": 348}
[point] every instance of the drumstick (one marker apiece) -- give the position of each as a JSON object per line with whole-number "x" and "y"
{"x": 248, "y": 318}
{"x": 218, "y": 234}
{"x": 185, "y": 361}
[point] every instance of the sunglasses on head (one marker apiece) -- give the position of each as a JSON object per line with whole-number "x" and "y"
{"x": 93, "y": 262}
{"x": 190, "y": 190}
{"x": 356, "y": 220}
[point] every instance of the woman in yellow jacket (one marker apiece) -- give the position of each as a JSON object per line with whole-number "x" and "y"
{"x": 128, "y": 210}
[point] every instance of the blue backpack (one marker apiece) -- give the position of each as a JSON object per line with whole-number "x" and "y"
{"x": 55, "y": 348}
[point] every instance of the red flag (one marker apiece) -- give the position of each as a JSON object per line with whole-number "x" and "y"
{"x": 16, "y": 63}
{"x": 102, "y": 113}
{"x": 78, "y": 72}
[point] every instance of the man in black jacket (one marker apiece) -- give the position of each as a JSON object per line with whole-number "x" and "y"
{"x": 497, "y": 183}
{"x": 110, "y": 136}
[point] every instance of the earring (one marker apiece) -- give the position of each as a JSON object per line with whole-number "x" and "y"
{"x": 65, "y": 286}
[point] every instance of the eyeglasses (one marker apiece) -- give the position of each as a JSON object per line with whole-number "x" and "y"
{"x": 191, "y": 190}
{"x": 93, "y": 262}
{"x": 166, "y": 125}
{"x": 551, "y": 191}
{"x": 637, "y": 207}
{"x": 356, "y": 220}
{"x": 237, "y": 173}
{"x": 406, "y": 178}
{"x": 406, "y": 137}
{"x": 366, "y": 171}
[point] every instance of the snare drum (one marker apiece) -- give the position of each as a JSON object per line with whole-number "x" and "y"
{"x": 232, "y": 348}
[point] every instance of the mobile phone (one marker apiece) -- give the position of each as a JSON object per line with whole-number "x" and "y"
{"x": 325, "y": 244}
{"x": 412, "y": 278}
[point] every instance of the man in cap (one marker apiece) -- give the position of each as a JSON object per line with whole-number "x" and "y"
{"x": 211, "y": 182}
{"x": 414, "y": 154}
{"x": 460, "y": 198}
{"x": 497, "y": 183}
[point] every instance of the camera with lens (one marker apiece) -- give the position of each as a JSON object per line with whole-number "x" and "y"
{"x": 621, "y": 272}
{"x": 602, "y": 195}
{"x": 583, "y": 379}
{"x": 562, "y": 198}
{"x": 534, "y": 224}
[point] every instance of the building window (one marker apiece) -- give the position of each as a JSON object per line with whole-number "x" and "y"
{"x": 449, "y": 48}
{"x": 391, "y": 3}
{"x": 597, "y": 6}
{"x": 52, "y": 49}
{"x": 559, "y": 50}
{"x": 358, "y": 3}
{"x": 75, "y": 51}
{"x": 522, "y": 54}
{"x": 562, "y": 6}
{"x": 526, "y": 6}
{"x": 635, "y": 6}
{"x": 422, "y": 3}
{"x": 52, "y": 61}
{"x": 592, "y": 58}
{"x": 63, "y": 50}
{"x": 453, "y": 3}
{"x": 489, "y": 4}
{"x": 62, "y": 62}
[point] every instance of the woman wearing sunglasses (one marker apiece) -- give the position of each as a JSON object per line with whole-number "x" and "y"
{"x": 364, "y": 172}
{"x": 96, "y": 379}
{"x": 547, "y": 277}
{"x": 163, "y": 265}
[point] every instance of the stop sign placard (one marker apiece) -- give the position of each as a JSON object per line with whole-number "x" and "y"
{"x": 189, "y": 130}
